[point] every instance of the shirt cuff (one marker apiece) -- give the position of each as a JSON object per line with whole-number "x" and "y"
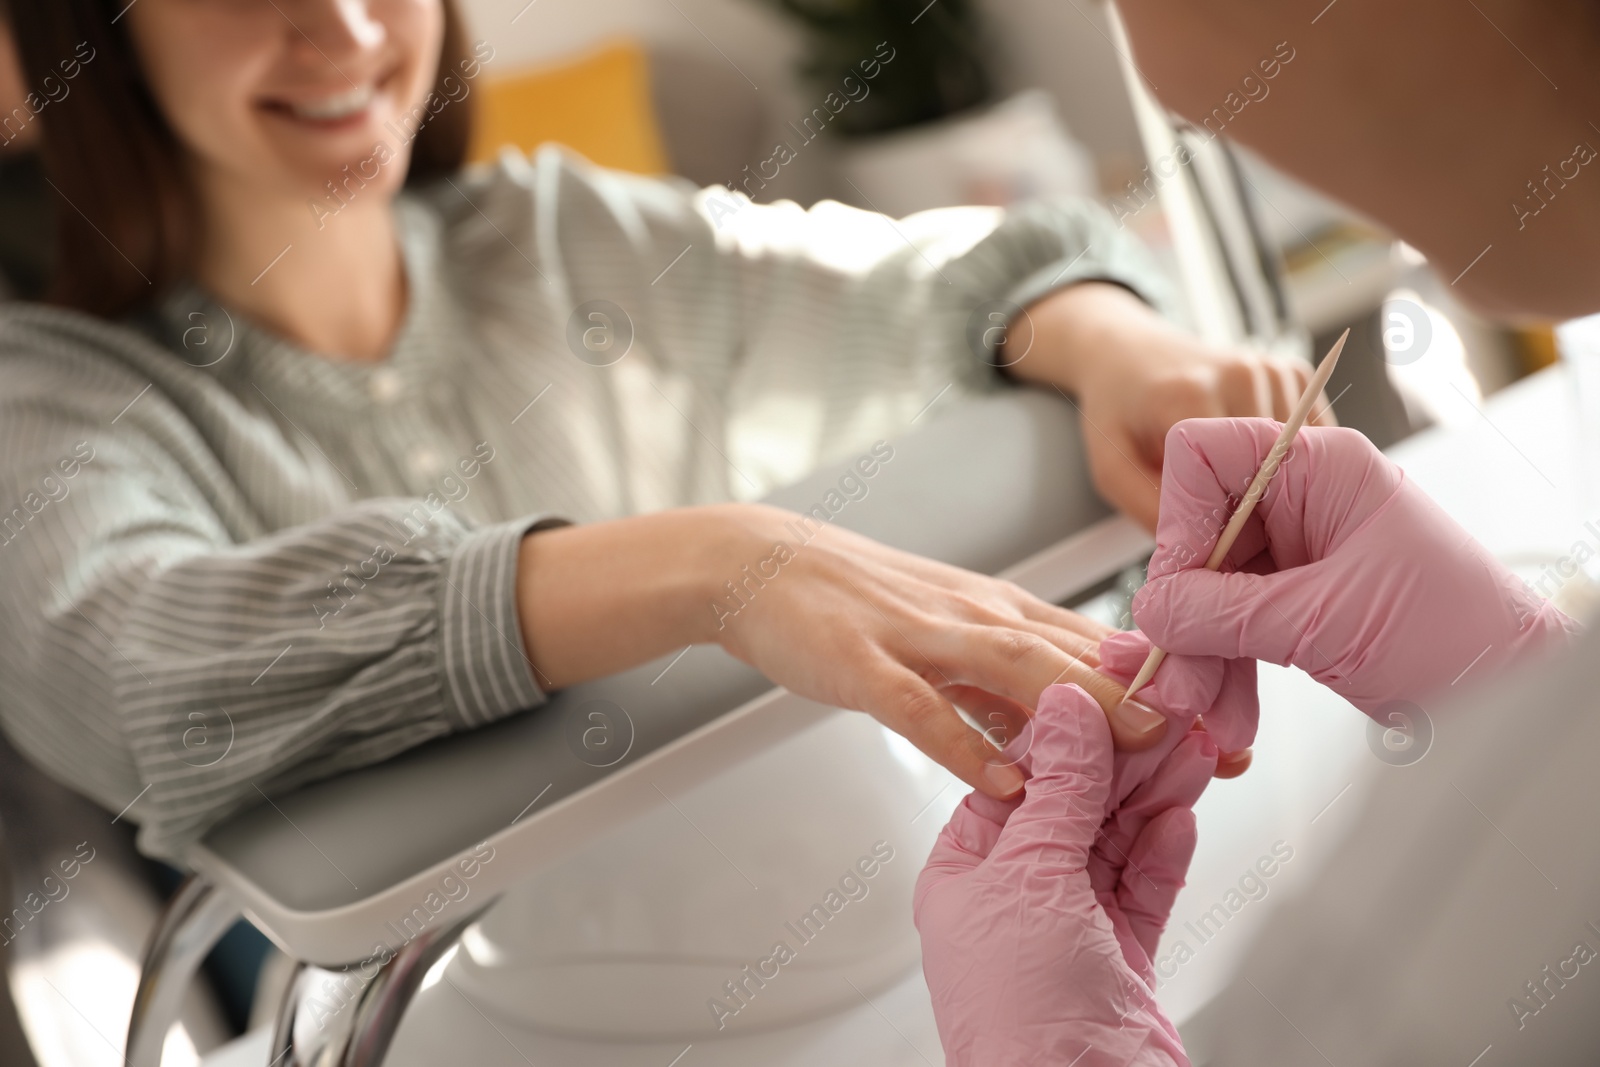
{"x": 1148, "y": 287}
{"x": 485, "y": 670}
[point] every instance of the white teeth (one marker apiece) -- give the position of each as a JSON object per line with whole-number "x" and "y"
{"x": 340, "y": 106}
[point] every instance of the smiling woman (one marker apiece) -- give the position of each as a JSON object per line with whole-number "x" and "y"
{"x": 446, "y": 313}
{"x": 198, "y": 94}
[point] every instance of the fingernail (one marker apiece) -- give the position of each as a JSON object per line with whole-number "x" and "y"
{"x": 1233, "y": 764}
{"x": 1138, "y": 719}
{"x": 1007, "y": 779}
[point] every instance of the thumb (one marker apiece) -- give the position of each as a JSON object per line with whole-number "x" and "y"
{"x": 1125, "y": 478}
{"x": 1064, "y": 802}
{"x": 1269, "y": 617}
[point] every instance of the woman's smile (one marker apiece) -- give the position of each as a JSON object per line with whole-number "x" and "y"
{"x": 336, "y": 111}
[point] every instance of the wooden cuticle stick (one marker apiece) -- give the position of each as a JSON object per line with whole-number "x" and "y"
{"x": 1258, "y": 488}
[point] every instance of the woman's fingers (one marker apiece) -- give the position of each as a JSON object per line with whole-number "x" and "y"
{"x": 1284, "y": 388}
{"x": 1066, "y": 619}
{"x": 993, "y": 593}
{"x": 1121, "y": 474}
{"x": 912, "y": 708}
{"x": 1019, "y": 666}
{"x": 1246, "y": 387}
{"x": 1001, "y": 721}
{"x": 1074, "y": 644}
{"x": 1322, "y": 411}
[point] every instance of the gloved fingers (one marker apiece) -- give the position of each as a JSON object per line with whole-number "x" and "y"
{"x": 1209, "y": 463}
{"x": 969, "y": 836}
{"x": 1233, "y": 717}
{"x": 1183, "y": 686}
{"x": 1236, "y": 615}
{"x": 1134, "y": 954}
{"x": 1064, "y": 802}
{"x": 1221, "y": 691}
{"x": 1177, "y": 782}
{"x": 1327, "y": 485}
{"x": 1158, "y": 863}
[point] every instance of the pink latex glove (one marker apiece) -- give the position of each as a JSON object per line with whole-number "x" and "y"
{"x": 1039, "y": 917}
{"x": 1222, "y": 691}
{"x": 1346, "y": 569}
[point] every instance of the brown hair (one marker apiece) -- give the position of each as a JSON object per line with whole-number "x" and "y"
{"x": 126, "y": 225}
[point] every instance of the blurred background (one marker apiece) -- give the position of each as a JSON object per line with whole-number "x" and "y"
{"x": 984, "y": 101}
{"x": 904, "y": 105}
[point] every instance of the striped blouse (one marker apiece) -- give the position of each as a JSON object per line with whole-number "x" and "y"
{"x": 231, "y": 566}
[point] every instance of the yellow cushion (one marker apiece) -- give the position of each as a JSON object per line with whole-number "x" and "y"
{"x": 598, "y": 104}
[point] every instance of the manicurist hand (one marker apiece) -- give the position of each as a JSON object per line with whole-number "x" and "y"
{"x": 1346, "y": 569}
{"x": 1134, "y": 376}
{"x": 1218, "y": 693}
{"x": 1039, "y": 918}
{"x": 828, "y": 614}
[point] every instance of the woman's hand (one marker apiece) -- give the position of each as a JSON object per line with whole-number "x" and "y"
{"x": 844, "y": 620}
{"x": 830, "y": 615}
{"x": 1039, "y": 919}
{"x": 1345, "y": 569}
{"x": 1135, "y": 376}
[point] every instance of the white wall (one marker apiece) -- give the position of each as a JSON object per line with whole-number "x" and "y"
{"x": 1057, "y": 45}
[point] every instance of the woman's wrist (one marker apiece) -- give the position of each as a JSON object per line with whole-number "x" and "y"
{"x": 1074, "y": 327}
{"x": 596, "y": 599}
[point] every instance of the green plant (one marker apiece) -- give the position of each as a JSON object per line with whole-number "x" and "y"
{"x": 940, "y": 66}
